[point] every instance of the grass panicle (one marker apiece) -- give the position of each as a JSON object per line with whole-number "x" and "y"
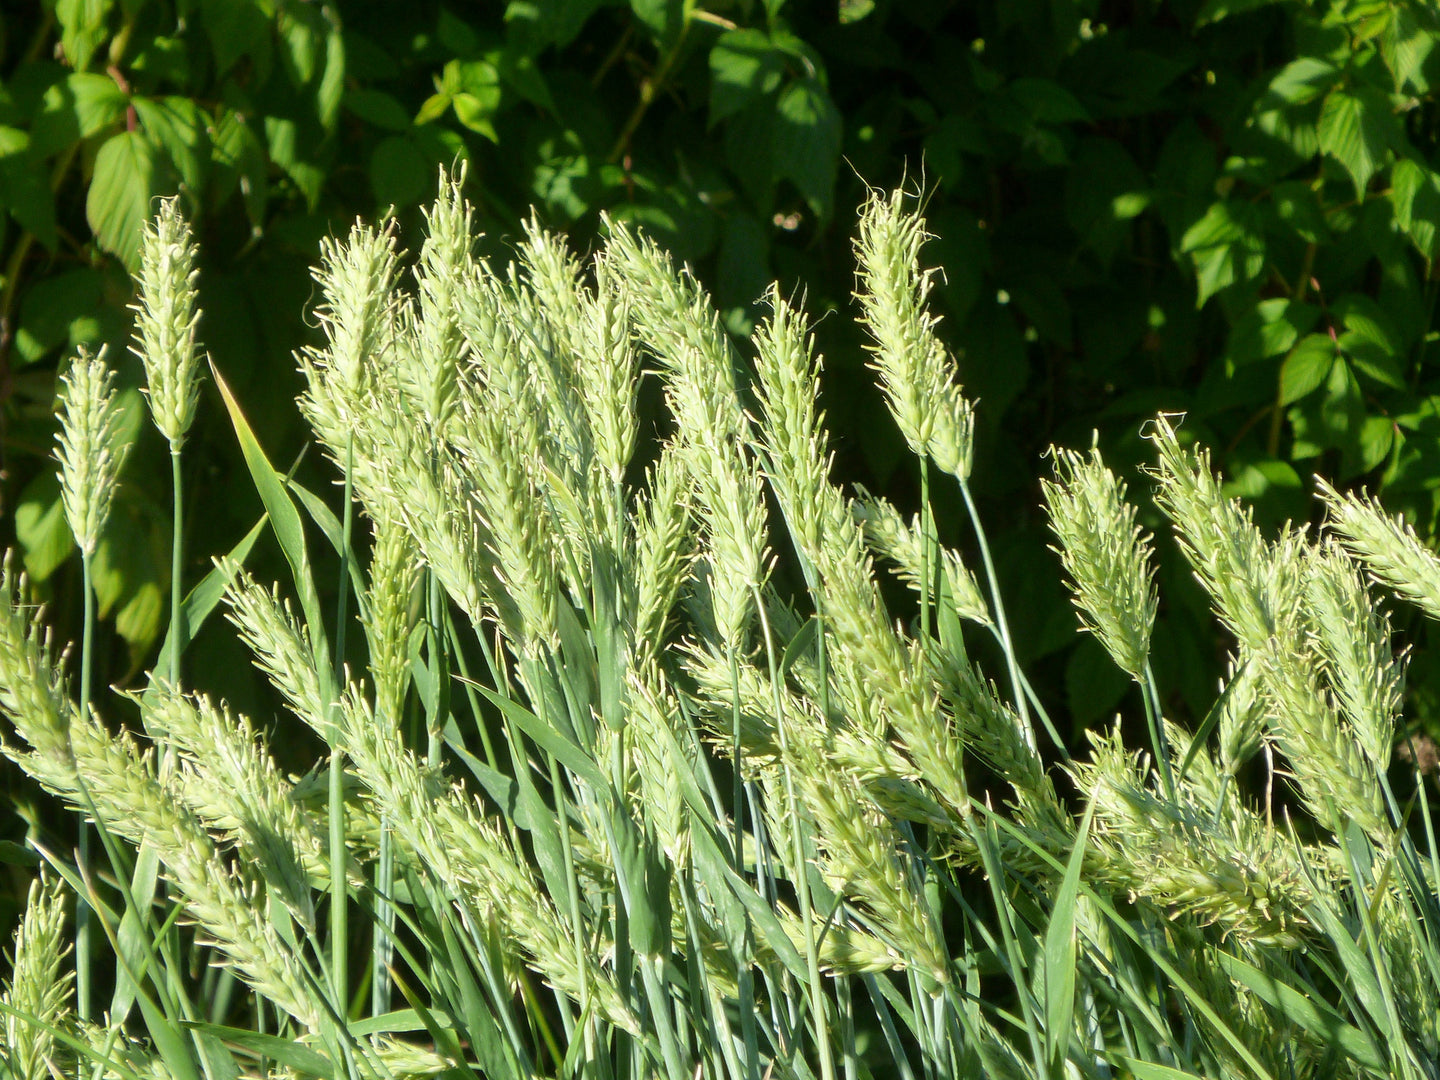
{"x": 167, "y": 318}
{"x": 1107, "y": 556}
{"x": 38, "y": 990}
{"x": 89, "y": 450}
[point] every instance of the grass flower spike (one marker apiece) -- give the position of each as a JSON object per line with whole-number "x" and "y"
{"x": 167, "y": 317}
{"x": 1106, "y": 555}
{"x": 916, "y": 371}
{"x": 90, "y": 454}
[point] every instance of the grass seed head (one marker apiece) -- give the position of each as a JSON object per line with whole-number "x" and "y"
{"x": 90, "y": 451}
{"x": 166, "y": 320}
{"x": 1107, "y": 556}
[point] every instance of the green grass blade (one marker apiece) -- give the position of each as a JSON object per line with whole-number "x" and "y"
{"x": 331, "y": 528}
{"x": 285, "y": 519}
{"x": 1060, "y": 954}
{"x": 287, "y": 1052}
{"x": 1310, "y": 1012}
{"x": 206, "y": 596}
{"x": 1190, "y": 992}
{"x": 1149, "y": 1070}
{"x": 549, "y": 739}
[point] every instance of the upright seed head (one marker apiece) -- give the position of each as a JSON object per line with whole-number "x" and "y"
{"x": 167, "y": 319}
{"x": 357, "y": 278}
{"x": 1106, "y": 555}
{"x": 916, "y": 371}
{"x": 89, "y": 451}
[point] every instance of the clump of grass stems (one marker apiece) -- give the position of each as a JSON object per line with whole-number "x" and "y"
{"x": 660, "y": 816}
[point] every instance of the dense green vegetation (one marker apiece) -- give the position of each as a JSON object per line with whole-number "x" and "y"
{"x": 1226, "y": 209}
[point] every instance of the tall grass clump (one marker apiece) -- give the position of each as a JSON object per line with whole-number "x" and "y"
{"x": 641, "y": 775}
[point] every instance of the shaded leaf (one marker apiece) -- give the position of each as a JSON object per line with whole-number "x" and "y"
{"x": 1226, "y": 246}
{"x": 41, "y": 528}
{"x": 400, "y": 174}
{"x": 1307, "y": 366}
{"x": 1356, "y": 127}
{"x": 118, "y": 202}
{"x": 744, "y": 67}
{"x": 177, "y": 126}
{"x": 1415, "y": 196}
{"x": 807, "y": 142}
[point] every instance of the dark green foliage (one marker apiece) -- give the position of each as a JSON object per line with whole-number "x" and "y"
{"x": 1226, "y": 208}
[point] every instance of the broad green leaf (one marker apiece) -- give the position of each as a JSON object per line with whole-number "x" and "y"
{"x": 177, "y": 126}
{"x": 12, "y": 854}
{"x": 23, "y": 188}
{"x": 118, "y": 202}
{"x": 433, "y": 107}
{"x": 40, "y": 526}
{"x": 664, "y": 18}
{"x": 852, "y": 11}
{"x": 1270, "y": 328}
{"x": 239, "y": 161}
{"x": 331, "y": 88}
{"x": 235, "y": 28}
{"x": 378, "y": 108}
{"x": 1266, "y": 478}
{"x": 1415, "y": 196}
{"x": 1370, "y": 341}
{"x": 534, "y": 24}
{"x": 1215, "y": 10}
{"x": 1406, "y": 44}
{"x": 400, "y": 175}
{"x": 51, "y": 307}
{"x": 1048, "y": 102}
{"x": 131, "y": 572}
{"x": 1303, "y": 80}
{"x": 1342, "y": 408}
{"x": 521, "y": 74}
{"x": 1094, "y": 686}
{"x": 1297, "y": 205}
{"x": 77, "y": 107}
{"x": 1376, "y": 440}
{"x": 1103, "y": 179}
{"x": 744, "y": 67}
{"x": 1307, "y": 367}
{"x": 166, "y": 60}
{"x": 807, "y": 142}
{"x": 1356, "y": 127}
{"x": 83, "y": 27}
{"x": 288, "y": 149}
{"x": 1226, "y": 246}
{"x": 474, "y": 113}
